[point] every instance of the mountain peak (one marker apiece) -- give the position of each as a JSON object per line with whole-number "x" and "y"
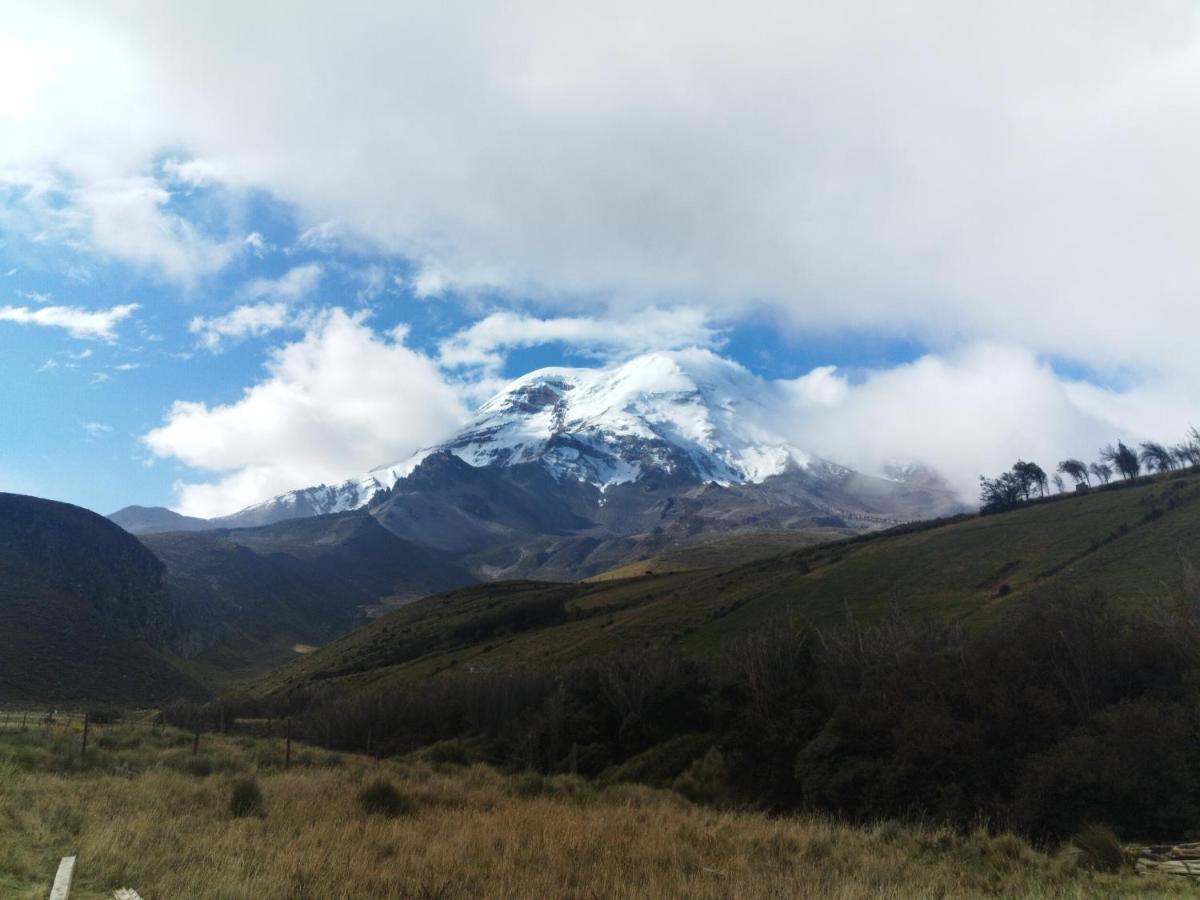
{"x": 689, "y": 416}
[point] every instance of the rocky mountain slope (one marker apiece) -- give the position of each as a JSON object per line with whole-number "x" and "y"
{"x": 247, "y": 598}
{"x": 568, "y": 472}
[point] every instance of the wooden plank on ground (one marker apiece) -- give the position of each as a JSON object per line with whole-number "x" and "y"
{"x": 62, "y": 881}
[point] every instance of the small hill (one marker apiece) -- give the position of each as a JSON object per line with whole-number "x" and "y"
{"x": 154, "y": 519}
{"x": 84, "y": 610}
{"x": 1129, "y": 542}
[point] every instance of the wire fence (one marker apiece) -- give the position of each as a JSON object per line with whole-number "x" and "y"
{"x": 85, "y": 726}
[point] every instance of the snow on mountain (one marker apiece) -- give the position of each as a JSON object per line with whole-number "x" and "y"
{"x": 685, "y": 414}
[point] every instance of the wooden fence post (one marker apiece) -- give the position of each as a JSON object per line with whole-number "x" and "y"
{"x": 287, "y": 753}
{"x": 62, "y": 880}
{"x": 83, "y": 748}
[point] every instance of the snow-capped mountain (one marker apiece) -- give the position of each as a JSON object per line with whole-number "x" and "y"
{"x": 687, "y": 415}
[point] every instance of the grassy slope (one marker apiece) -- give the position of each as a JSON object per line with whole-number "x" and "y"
{"x": 722, "y": 552}
{"x": 83, "y": 609}
{"x": 1128, "y": 542}
{"x": 145, "y": 814}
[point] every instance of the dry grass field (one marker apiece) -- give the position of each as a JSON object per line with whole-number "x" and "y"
{"x": 145, "y": 813}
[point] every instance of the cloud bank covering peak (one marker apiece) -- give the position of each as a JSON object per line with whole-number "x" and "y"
{"x": 1009, "y": 188}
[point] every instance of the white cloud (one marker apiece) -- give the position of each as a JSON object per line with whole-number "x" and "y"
{"x": 486, "y": 342}
{"x": 98, "y": 324}
{"x": 126, "y": 218}
{"x": 1007, "y": 172}
{"x": 295, "y": 284}
{"x": 332, "y": 405}
{"x": 243, "y": 322}
{"x": 970, "y": 413}
{"x": 257, "y": 244}
{"x": 96, "y": 429}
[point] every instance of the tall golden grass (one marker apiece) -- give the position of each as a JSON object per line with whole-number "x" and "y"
{"x": 145, "y": 814}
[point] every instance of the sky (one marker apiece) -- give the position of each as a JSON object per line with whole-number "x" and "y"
{"x": 246, "y": 248}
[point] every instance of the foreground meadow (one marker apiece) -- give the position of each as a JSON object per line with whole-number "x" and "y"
{"x": 146, "y": 813}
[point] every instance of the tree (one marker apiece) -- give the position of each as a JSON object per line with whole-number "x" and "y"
{"x": 1031, "y": 477}
{"x": 1157, "y": 458}
{"x": 1188, "y": 453}
{"x": 1012, "y": 487}
{"x": 1076, "y": 470}
{"x": 1102, "y": 471}
{"x": 1000, "y": 493}
{"x": 1059, "y": 484}
{"x": 1122, "y": 459}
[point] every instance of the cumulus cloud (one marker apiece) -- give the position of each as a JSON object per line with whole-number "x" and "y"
{"x": 332, "y": 405}
{"x": 487, "y": 342}
{"x": 100, "y": 324}
{"x": 244, "y": 321}
{"x": 971, "y": 412}
{"x": 295, "y": 284}
{"x": 1015, "y": 173}
{"x": 126, "y": 218}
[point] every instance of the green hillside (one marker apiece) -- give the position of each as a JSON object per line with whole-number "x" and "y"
{"x": 1127, "y": 541}
{"x": 84, "y": 610}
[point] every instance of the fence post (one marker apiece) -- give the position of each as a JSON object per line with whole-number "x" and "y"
{"x": 61, "y": 889}
{"x": 287, "y": 753}
{"x": 83, "y": 749}
{"x": 23, "y": 715}
{"x": 222, "y": 720}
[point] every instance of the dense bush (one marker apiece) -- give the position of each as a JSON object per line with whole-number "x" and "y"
{"x": 1075, "y": 712}
{"x": 246, "y": 799}
{"x": 381, "y": 798}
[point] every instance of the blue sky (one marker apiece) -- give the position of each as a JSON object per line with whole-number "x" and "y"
{"x": 79, "y": 406}
{"x": 240, "y": 259}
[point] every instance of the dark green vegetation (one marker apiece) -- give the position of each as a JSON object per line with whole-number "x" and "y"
{"x": 1039, "y": 666}
{"x": 1129, "y": 542}
{"x": 84, "y": 611}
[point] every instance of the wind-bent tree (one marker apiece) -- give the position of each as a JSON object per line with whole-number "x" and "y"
{"x": 1122, "y": 459}
{"x": 1012, "y": 487}
{"x": 1102, "y": 471}
{"x": 1031, "y": 477}
{"x": 1000, "y": 493}
{"x": 1157, "y": 458}
{"x": 1059, "y": 484}
{"x": 1076, "y": 470}
{"x": 1188, "y": 453}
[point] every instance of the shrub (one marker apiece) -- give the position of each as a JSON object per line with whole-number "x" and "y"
{"x": 381, "y": 798}
{"x": 246, "y": 799}
{"x": 529, "y": 784}
{"x": 1099, "y": 848}
{"x": 665, "y": 762}
{"x": 200, "y": 766}
{"x": 705, "y": 780}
